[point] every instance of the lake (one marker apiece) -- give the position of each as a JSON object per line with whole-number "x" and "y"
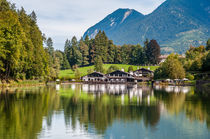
{"x": 83, "y": 111}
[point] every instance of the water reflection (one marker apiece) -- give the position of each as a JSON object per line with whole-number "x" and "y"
{"x": 104, "y": 111}
{"x": 174, "y": 89}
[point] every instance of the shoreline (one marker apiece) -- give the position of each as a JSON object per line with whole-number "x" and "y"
{"x": 32, "y": 83}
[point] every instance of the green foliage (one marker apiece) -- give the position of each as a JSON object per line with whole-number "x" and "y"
{"x": 171, "y": 68}
{"x": 206, "y": 62}
{"x": 69, "y": 74}
{"x": 208, "y": 45}
{"x": 112, "y": 68}
{"x": 190, "y": 76}
{"x": 22, "y": 54}
{"x": 197, "y": 59}
{"x": 10, "y": 43}
{"x": 77, "y": 74}
{"x": 159, "y": 74}
{"x": 84, "y": 51}
{"x": 89, "y": 71}
{"x": 72, "y": 52}
{"x": 64, "y": 64}
{"x": 74, "y": 67}
{"x": 98, "y": 64}
{"x": 110, "y": 53}
{"x": 153, "y": 52}
{"x": 130, "y": 68}
{"x": 197, "y": 64}
{"x": 194, "y": 52}
{"x": 50, "y": 47}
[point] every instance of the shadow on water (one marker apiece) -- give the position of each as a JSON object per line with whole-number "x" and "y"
{"x": 98, "y": 109}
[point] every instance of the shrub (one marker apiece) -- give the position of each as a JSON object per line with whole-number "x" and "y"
{"x": 130, "y": 68}
{"x": 112, "y": 68}
{"x": 190, "y": 76}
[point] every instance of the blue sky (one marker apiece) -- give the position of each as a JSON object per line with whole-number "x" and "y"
{"x": 62, "y": 19}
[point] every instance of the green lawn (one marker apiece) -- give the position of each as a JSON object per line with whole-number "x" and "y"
{"x": 69, "y": 74}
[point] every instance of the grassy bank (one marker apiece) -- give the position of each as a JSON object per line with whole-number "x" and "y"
{"x": 69, "y": 74}
{"x": 22, "y": 83}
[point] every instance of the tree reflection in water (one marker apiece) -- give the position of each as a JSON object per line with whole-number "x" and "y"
{"x": 22, "y": 111}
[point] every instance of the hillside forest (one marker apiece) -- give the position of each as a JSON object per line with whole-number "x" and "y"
{"x": 26, "y": 53}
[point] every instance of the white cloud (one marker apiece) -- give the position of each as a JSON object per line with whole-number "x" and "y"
{"x": 61, "y": 19}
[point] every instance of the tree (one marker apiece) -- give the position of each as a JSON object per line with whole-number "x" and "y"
{"x": 92, "y": 50}
{"x": 33, "y": 16}
{"x": 196, "y": 64}
{"x": 194, "y": 58}
{"x": 67, "y": 46}
{"x": 118, "y": 56}
{"x": 22, "y": 54}
{"x": 98, "y": 64}
{"x": 126, "y": 54}
{"x": 50, "y": 46}
{"x": 153, "y": 52}
{"x": 208, "y": 45}
{"x": 130, "y": 68}
{"x": 84, "y": 51}
{"x": 190, "y": 76}
{"x": 4, "y": 6}
{"x": 101, "y": 45}
{"x": 77, "y": 74}
{"x": 90, "y": 70}
{"x": 86, "y": 41}
{"x": 171, "y": 68}
{"x": 137, "y": 55}
{"x": 10, "y": 43}
{"x": 195, "y": 52}
{"x": 111, "y": 52}
{"x": 74, "y": 56}
{"x": 206, "y": 63}
{"x": 65, "y": 63}
{"x": 112, "y": 68}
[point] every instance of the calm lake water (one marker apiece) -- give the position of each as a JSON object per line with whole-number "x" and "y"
{"x": 104, "y": 111}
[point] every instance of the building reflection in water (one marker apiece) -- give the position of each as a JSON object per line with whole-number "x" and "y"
{"x": 139, "y": 93}
{"x": 173, "y": 89}
{"x": 132, "y": 91}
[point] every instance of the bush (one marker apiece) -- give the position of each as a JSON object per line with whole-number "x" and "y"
{"x": 130, "y": 68}
{"x": 112, "y": 68}
{"x": 190, "y": 76}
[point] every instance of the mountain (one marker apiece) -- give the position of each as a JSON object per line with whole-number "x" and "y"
{"x": 175, "y": 24}
{"x": 116, "y": 23}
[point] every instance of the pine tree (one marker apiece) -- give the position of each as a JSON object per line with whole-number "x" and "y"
{"x": 75, "y": 57}
{"x": 50, "y": 47}
{"x": 33, "y": 16}
{"x": 111, "y": 52}
{"x": 84, "y": 51}
{"x": 86, "y": 41}
{"x": 98, "y": 64}
{"x": 92, "y": 50}
{"x": 153, "y": 52}
{"x": 101, "y": 45}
